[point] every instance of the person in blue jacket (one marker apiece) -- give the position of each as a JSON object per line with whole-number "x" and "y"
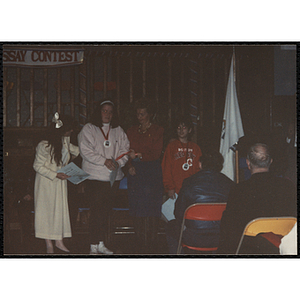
{"x": 206, "y": 186}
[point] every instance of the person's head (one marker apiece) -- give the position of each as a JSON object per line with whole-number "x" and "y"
{"x": 61, "y": 126}
{"x": 145, "y": 110}
{"x": 258, "y": 158}
{"x": 104, "y": 113}
{"x": 184, "y": 127}
{"x": 211, "y": 161}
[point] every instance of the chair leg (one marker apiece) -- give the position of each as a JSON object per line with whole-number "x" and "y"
{"x": 180, "y": 238}
{"x": 179, "y": 249}
{"x": 153, "y": 225}
{"x": 109, "y": 233}
{"x": 140, "y": 227}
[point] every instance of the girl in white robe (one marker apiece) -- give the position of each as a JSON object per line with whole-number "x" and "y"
{"x": 52, "y": 221}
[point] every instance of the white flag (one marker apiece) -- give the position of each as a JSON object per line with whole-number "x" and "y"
{"x": 232, "y": 127}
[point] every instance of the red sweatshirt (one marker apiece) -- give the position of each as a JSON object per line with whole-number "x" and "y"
{"x": 174, "y": 158}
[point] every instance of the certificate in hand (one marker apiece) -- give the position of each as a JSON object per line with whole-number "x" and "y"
{"x": 113, "y": 174}
{"x": 167, "y": 209}
{"x": 77, "y": 174}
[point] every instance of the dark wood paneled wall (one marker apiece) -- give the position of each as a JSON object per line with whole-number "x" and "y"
{"x": 189, "y": 79}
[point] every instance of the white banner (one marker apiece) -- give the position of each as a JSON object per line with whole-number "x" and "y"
{"x": 232, "y": 128}
{"x": 41, "y": 57}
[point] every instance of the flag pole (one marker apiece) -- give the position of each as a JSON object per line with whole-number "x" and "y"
{"x": 237, "y": 174}
{"x": 236, "y": 151}
{"x": 234, "y": 67}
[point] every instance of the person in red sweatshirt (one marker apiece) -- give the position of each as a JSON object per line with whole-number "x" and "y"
{"x": 181, "y": 157}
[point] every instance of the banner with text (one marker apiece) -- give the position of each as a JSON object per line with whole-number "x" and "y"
{"x": 42, "y": 58}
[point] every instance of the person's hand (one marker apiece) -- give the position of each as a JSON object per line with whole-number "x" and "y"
{"x": 171, "y": 194}
{"x": 131, "y": 171}
{"x": 131, "y": 154}
{"x": 62, "y": 176}
{"x": 110, "y": 164}
{"x": 139, "y": 155}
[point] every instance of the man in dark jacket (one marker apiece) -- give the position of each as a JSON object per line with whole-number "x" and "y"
{"x": 206, "y": 186}
{"x": 263, "y": 195}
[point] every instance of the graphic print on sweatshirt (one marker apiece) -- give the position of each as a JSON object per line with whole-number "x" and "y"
{"x": 181, "y": 152}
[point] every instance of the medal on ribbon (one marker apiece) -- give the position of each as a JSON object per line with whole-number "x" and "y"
{"x": 185, "y": 166}
{"x": 106, "y": 143}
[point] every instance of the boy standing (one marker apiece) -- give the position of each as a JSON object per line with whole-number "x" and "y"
{"x": 181, "y": 158}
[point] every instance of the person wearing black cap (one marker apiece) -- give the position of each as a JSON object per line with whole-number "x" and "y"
{"x": 101, "y": 142}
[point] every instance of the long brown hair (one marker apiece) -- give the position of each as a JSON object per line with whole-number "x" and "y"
{"x": 54, "y": 137}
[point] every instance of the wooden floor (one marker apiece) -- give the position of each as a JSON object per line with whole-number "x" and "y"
{"x": 22, "y": 243}
{"x": 19, "y": 237}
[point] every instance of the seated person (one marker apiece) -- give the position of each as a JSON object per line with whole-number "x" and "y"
{"x": 263, "y": 195}
{"x": 206, "y": 186}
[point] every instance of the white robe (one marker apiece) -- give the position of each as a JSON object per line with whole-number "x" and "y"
{"x": 52, "y": 220}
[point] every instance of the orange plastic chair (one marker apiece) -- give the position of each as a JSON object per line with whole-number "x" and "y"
{"x": 201, "y": 212}
{"x": 281, "y": 226}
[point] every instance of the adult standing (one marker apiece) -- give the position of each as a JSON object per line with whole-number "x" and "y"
{"x": 101, "y": 142}
{"x": 145, "y": 183}
{"x": 52, "y": 221}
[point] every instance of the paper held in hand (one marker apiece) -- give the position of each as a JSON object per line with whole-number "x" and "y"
{"x": 167, "y": 209}
{"x": 113, "y": 174}
{"x": 77, "y": 174}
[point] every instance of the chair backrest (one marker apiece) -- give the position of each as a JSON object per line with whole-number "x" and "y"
{"x": 280, "y": 225}
{"x": 201, "y": 212}
{"x": 205, "y": 211}
{"x": 277, "y": 225}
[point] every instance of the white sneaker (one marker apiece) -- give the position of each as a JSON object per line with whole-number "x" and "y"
{"x": 94, "y": 249}
{"x": 102, "y": 249}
